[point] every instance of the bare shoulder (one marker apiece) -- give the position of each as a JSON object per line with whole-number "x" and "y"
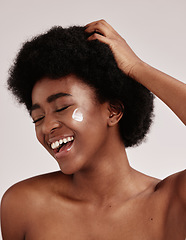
{"x": 21, "y": 201}
{"x": 175, "y": 187}
{"x": 35, "y": 187}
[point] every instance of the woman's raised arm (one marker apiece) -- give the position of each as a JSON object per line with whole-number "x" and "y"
{"x": 171, "y": 91}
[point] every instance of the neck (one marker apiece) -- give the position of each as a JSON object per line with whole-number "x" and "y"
{"x": 107, "y": 179}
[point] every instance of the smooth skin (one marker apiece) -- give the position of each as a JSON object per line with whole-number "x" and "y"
{"x": 96, "y": 195}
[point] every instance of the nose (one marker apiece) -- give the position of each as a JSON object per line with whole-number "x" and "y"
{"x": 50, "y": 124}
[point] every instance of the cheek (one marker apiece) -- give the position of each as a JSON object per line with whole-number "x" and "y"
{"x": 38, "y": 135}
{"x": 77, "y": 115}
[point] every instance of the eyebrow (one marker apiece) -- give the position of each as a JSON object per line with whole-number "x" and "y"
{"x": 50, "y": 99}
{"x": 56, "y": 96}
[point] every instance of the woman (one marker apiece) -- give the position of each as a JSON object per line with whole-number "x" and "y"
{"x": 88, "y": 104}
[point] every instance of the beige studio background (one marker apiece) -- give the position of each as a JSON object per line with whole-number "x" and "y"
{"x": 156, "y": 32}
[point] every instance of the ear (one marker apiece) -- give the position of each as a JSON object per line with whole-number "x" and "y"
{"x": 116, "y": 110}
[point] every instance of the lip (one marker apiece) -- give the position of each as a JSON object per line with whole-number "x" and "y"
{"x": 65, "y": 152}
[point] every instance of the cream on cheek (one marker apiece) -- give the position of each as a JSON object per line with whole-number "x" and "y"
{"x": 77, "y": 115}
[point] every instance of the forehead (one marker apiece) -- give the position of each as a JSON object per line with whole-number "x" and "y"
{"x": 70, "y": 85}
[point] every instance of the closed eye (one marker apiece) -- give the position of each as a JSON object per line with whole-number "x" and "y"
{"x": 61, "y": 109}
{"x": 58, "y": 110}
{"x": 37, "y": 120}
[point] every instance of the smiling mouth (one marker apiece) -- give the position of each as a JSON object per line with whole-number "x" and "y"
{"x": 62, "y": 144}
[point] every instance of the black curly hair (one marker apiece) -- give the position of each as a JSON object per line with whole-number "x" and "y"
{"x": 63, "y": 51}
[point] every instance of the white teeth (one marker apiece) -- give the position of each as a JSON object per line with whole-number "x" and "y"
{"x": 60, "y": 141}
{"x": 53, "y": 145}
{"x": 56, "y": 144}
{"x": 69, "y": 138}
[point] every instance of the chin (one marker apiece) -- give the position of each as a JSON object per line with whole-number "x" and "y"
{"x": 68, "y": 170}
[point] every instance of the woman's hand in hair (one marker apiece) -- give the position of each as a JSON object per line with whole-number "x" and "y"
{"x": 126, "y": 59}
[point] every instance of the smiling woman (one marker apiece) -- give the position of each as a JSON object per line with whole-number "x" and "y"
{"x": 90, "y": 97}
{"x": 55, "y": 103}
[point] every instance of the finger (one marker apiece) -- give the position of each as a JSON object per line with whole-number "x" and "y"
{"x": 99, "y": 37}
{"x": 89, "y": 24}
{"x": 99, "y": 23}
{"x": 101, "y": 27}
{"x": 95, "y": 22}
{"x": 98, "y": 27}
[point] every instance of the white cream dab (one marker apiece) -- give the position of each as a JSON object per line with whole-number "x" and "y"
{"x": 77, "y": 115}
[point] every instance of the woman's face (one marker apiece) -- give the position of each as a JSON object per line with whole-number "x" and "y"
{"x": 69, "y": 122}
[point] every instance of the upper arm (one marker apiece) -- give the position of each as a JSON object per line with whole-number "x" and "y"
{"x": 180, "y": 187}
{"x": 13, "y": 215}
{"x": 180, "y": 190}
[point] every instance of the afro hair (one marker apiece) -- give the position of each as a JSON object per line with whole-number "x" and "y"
{"x": 63, "y": 51}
